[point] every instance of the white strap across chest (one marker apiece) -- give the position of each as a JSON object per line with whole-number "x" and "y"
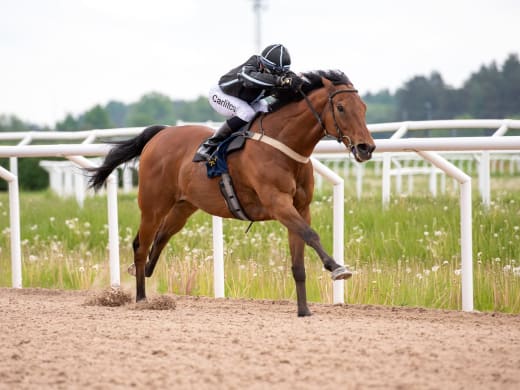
{"x": 280, "y": 146}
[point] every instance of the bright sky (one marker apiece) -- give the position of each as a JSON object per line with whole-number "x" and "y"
{"x": 65, "y": 56}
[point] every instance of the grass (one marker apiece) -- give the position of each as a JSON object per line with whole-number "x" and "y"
{"x": 406, "y": 255}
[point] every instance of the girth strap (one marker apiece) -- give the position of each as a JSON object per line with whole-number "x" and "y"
{"x": 228, "y": 191}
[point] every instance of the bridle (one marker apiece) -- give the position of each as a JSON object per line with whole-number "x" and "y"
{"x": 291, "y": 153}
{"x": 340, "y": 137}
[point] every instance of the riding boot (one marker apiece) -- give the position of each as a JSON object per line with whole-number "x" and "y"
{"x": 206, "y": 148}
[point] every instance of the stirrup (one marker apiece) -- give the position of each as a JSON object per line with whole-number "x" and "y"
{"x": 204, "y": 152}
{"x": 201, "y": 156}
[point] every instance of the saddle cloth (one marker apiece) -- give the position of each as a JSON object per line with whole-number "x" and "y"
{"x": 217, "y": 164}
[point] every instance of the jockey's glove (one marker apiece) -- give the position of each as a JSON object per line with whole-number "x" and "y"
{"x": 293, "y": 82}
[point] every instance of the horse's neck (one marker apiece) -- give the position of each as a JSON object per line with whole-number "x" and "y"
{"x": 296, "y": 126}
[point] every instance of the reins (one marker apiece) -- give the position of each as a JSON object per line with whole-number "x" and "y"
{"x": 340, "y": 135}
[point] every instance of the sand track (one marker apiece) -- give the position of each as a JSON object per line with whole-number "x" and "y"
{"x": 50, "y": 339}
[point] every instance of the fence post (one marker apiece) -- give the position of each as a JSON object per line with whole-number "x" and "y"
{"x": 218, "y": 258}
{"x": 338, "y": 286}
{"x": 386, "y": 179}
{"x": 484, "y": 178}
{"x": 14, "y": 219}
{"x": 113, "y": 231}
{"x": 466, "y": 241}
{"x": 338, "y": 205}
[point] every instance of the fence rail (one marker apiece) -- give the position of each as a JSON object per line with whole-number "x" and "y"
{"x": 427, "y": 148}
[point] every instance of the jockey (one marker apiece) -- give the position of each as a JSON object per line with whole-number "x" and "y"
{"x": 240, "y": 93}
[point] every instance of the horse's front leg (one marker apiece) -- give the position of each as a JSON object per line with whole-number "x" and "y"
{"x": 297, "y": 247}
{"x": 296, "y": 224}
{"x": 312, "y": 239}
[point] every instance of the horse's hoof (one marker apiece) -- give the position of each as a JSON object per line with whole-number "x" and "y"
{"x": 340, "y": 273}
{"x": 305, "y": 313}
{"x": 131, "y": 269}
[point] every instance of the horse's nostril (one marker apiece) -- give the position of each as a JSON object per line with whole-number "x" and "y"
{"x": 365, "y": 148}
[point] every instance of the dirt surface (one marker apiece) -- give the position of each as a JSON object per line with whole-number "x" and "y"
{"x": 51, "y": 339}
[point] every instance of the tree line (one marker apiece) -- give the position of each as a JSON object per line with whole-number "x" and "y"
{"x": 491, "y": 92}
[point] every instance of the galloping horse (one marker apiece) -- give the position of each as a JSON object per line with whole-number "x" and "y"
{"x": 273, "y": 179}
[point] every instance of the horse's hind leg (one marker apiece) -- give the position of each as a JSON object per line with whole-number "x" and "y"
{"x": 147, "y": 228}
{"x": 171, "y": 224}
{"x": 135, "y": 245}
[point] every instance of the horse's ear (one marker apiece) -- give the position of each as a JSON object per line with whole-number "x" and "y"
{"x": 326, "y": 83}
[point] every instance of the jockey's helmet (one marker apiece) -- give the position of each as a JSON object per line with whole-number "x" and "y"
{"x": 276, "y": 59}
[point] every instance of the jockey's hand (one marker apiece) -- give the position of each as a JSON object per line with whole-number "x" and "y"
{"x": 291, "y": 80}
{"x": 296, "y": 83}
{"x": 285, "y": 81}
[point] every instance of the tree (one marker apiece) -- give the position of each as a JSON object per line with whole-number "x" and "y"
{"x": 13, "y": 123}
{"x": 421, "y": 98}
{"x": 197, "y": 110}
{"x": 152, "y": 108}
{"x": 510, "y": 86}
{"x": 95, "y": 118}
{"x": 68, "y": 124}
{"x": 380, "y": 107}
{"x": 482, "y": 93}
{"x": 117, "y": 112}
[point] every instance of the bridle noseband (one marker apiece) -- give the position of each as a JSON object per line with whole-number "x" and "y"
{"x": 340, "y": 135}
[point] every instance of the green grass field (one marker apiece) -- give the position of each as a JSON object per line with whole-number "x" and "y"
{"x": 406, "y": 255}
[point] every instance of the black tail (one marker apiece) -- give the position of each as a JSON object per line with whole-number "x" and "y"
{"x": 123, "y": 152}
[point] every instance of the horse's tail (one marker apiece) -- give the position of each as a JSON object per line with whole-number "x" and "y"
{"x": 123, "y": 152}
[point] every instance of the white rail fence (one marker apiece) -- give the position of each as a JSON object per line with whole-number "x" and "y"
{"x": 406, "y": 167}
{"x": 426, "y": 148}
{"x": 65, "y": 182}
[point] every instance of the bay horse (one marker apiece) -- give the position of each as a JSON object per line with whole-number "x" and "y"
{"x": 273, "y": 180}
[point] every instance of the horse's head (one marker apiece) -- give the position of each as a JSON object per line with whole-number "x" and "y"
{"x": 344, "y": 119}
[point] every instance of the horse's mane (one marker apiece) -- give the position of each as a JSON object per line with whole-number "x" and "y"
{"x": 312, "y": 80}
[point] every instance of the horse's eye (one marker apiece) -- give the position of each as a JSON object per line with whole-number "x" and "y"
{"x": 340, "y": 108}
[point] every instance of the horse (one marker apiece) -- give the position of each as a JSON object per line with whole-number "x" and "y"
{"x": 272, "y": 173}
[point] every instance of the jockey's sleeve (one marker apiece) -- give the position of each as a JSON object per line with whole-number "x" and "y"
{"x": 251, "y": 77}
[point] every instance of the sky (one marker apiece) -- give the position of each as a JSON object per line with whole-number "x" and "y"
{"x": 65, "y": 56}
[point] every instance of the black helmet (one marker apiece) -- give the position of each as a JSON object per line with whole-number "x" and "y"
{"x": 276, "y": 58}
